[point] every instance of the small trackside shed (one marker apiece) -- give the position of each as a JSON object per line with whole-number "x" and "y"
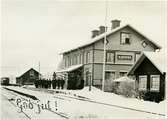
{"x": 150, "y": 75}
{"x": 28, "y": 77}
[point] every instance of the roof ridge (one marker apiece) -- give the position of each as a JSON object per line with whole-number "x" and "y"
{"x": 99, "y": 37}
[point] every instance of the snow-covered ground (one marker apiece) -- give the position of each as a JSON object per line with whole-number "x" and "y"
{"x": 77, "y": 109}
{"x": 111, "y": 98}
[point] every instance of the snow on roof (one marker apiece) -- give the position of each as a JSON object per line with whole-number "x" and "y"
{"x": 123, "y": 79}
{"x": 23, "y": 71}
{"x": 71, "y": 68}
{"x": 158, "y": 59}
{"x": 97, "y": 38}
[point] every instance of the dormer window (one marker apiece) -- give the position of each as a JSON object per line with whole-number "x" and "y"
{"x": 125, "y": 38}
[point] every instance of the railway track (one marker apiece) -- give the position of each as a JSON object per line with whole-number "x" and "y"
{"x": 24, "y": 97}
{"x": 71, "y": 97}
{"x": 11, "y": 102}
{"x": 81, "y": 98}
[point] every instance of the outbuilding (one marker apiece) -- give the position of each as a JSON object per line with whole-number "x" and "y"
{"x": 150, "y": 75}
{"x": 28, "y": 77}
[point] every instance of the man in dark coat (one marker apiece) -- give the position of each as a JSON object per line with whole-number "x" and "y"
{"x": 62, "y": 83}
{"x": 58, "y": 83}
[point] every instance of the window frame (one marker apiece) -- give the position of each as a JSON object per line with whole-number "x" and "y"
{"x": 108, "y": 52}
{"x": 110, "y": 71}
{"x": 144, "y": 42}
{"x": 121, "y": 39}
{"x": 87, "y": 57}
{"x": 153, "y": 88}
{"x": 141, "y": 88}
{"x": 123, "y": 72}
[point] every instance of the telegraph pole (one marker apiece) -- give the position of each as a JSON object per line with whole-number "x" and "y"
{"x": 105, "y": 38}
{"x": 39, "y": 70}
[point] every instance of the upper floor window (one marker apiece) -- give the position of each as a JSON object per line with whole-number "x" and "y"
{"x": 137, "y": 56}
{"x": 110, "y": 57}
{"x": 80, "y": 58}
{"x": 69, "y": 60}
{"x": 75, "y": 60}
{"x": 143, "y": 82}
{"x": 88, "y": 57}
{"x": 66, "y": 61}
{"x": 154, "y": 82}
{"x": 125, "y": 38}
{"x": 144, "y": 44}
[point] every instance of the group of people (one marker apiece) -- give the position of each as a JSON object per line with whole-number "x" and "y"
{"x": 55, "y": 83}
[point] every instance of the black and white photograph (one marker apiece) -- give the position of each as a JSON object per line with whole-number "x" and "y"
{"x": 83, "y": 59}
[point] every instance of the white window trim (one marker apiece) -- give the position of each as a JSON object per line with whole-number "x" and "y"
{"x": 153, "y": 89}
{"x": 142, "y": 89}
{"x": 113, "y": 57}
{"x": 122, "y": 39}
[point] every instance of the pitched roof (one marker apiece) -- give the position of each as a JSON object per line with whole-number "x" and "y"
{"x": 100, "y": 37}
{"x": 158, "y": 59}
{"x": 27, "y": 71}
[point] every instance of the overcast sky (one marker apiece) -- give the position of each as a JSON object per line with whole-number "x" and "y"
{"x": 38, "y": 30}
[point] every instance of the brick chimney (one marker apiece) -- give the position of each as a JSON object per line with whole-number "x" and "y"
{"x": 102, "y": 29}
{"x": 115, "y": 23}
{"x": 95, "y": 33}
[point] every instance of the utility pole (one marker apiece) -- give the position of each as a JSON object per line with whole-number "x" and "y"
{"x": 105, "y": 38}
{"x": 39, "y": 70}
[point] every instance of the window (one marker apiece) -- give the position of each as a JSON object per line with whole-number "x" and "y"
{"x": 143, "y": 82}
{"x": 66, "y": 62}
{"x": 88, "y": 57}
{"x": 109, "y": 75}
{"x": 125, "y": 38}
{"x": 75, "y": 60}
{"x": 80, "y": 59}
{"x": 154, "y": 82}
{"x": 137, "y": 56}
{"x": 31, "y": 73}
{"x": 110, "y": 57}
{"x": 121, "y": 74}
{"x": 69, "y": 61}
{"x": 144, "y": 44}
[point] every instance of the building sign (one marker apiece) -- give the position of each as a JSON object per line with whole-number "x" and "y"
{"x": 124, "y": 57}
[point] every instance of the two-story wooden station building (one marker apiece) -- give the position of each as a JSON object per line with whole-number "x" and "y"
{"x": 124, "y": 46}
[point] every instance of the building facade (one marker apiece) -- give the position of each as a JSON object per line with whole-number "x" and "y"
{"x": 150, "y": 75}
{"x": 124, "y": 45}
{"x": 28, "y": 78}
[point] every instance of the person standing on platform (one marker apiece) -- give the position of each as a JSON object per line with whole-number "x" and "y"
{"x": 62, "y": 83}
{"x": 58, "y": 83}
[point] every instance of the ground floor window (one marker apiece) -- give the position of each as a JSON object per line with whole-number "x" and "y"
{"x": 121, "y": 74}
{"x": 109, "y": 75}
{"x": 142, "y": 82}
{"x": 154, "y": 82}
